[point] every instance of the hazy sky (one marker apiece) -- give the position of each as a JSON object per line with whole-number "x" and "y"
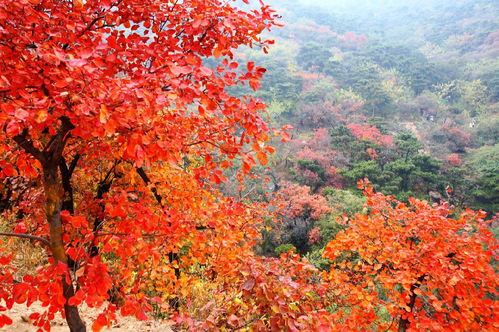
{"x": 351, "y": 4}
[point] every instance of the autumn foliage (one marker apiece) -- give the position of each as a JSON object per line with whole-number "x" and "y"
{"x": 117, "y": 130}
{"x": 265, "y": 294}
{"x": 111, "y": 113}
{"x": 424, "y": 269}
{"x": 370, "y": 133}
{"x": 299, "y": 201}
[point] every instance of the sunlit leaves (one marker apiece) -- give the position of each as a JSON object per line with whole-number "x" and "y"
{"x": 140, "y": 89}
{"x": 413, "y": 258}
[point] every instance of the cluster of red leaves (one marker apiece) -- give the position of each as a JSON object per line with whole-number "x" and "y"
{"x": 323, "y": 159}
{"x": 457, "y": 138}
{"x": 73, "y": 62}
{"x": 316, "y": 28}
{"x": 370, "y": 133}
{"x": 351, "y": 38}
{"x": 307, "y": 76}
{"x": 315, "y": 235}
{"x": 324, "y": 114}
{"x": 310, "y": 177}
{"x": 492, "y": 39}
{"x": 320, "y": 140}
{"x": 454, "y": 160}
{"x": 316, "y": 149}
{"x": 372, "y": 153}
{"x": 429, "y": 271}
{"x": 299, "y": 201}
{"x": 267, "y": 294}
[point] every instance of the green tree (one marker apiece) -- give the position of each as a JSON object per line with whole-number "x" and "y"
{"x": 474, "y": 96}
{"x": 362, "y": 169}
{"x": 484, "y": 163}
{"x": 313, "y": 57}
{"x": 407, "y": 145}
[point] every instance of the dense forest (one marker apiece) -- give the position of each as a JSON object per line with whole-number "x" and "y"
{"x": 285, "y": 165}
{"x": 405, "y": 94}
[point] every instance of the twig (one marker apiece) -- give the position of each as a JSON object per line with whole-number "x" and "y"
{"x": 127, "y": 234}
{"x": 28, "y": 236}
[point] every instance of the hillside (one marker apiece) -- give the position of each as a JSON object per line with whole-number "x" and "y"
{"x": 403, "y": 93}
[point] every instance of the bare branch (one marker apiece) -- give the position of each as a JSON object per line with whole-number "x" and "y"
{"x": 147, "y": 181}
{"x": 74, "y": 162}
{"x": 27, "y": 145}
{"x": 27, "y": 236}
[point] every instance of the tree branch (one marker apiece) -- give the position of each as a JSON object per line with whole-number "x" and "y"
{"x": 147, "y": 181}
{"x": 74, "y": 162}
{"x": 159, "y": 199}
{"x": 89, "y": 26}
{"x": 145, "y": 235}
{"x": 28, "y": 146}
{"x": 68, "y": 202}
{"x": 27, "y": 236}
{"x": 404, "y": 322}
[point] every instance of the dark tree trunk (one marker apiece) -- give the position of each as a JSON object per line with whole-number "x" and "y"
{"x": 66, "y": 174}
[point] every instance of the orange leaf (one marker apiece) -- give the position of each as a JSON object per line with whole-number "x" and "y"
{"x": 262, "y": 158}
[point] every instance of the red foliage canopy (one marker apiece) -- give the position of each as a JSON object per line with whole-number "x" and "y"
{"x": 427, "y": 270}
{"x": 370, "y": 133}
{"x": 299, "y": 201}
{"x": 111, "y": 113}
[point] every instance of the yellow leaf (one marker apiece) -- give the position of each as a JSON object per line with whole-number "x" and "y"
{"x": 41, "y": 116}
{"x": 103, "y": 113}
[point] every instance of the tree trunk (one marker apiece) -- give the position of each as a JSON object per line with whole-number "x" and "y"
{"x": 404, "y": 322}
{"x": 53, "y": 205}
{"x": 50, "y": 158}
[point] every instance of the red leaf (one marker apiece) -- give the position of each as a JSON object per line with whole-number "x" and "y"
{"x": 254, "y": 83}
{"x": 233, "y": 320}
{"x": 205, "y": 71}
{"x": 99, "y": 323}
{"x": 4, "y": 320}
{"x": 77, "y": 62}
{"x": 86, "y": 53}
{"x": 21, "y": 114}
{"x": 180, "y": 70}
{"x": 20, "y": 292}
{"x": 248, "y": 284}
{"x": 217, "y": 53}
{"x": 141, "y": 315}
{"x": 250, "y": 66}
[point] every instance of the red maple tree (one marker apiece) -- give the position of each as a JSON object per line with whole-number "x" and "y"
{"x": 110, "y": 111}
{"x": 370, "y": 133}
{"x": 298, "y": 200}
